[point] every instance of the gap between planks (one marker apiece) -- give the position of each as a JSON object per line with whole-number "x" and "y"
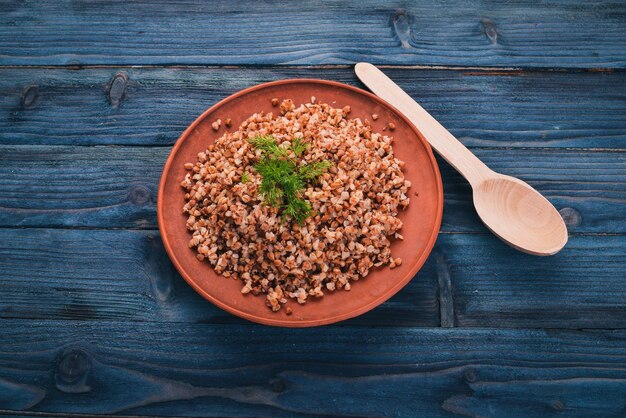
{"x": 16, "y": 413}
{"x": 475, "y": 147}
{"x": 238, "y": 322}
{"x": 151, "y": 229}
{"x": 504, "y": 71}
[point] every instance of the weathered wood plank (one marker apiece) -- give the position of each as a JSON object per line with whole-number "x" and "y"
{"x": 582, "y": 286}
{"x": 207, "y": 370}
{"x": 126, "y": 275}
{"x": 151, "y": 106}
{"x": 63, "y": 186}
{"x": 115, "y": 187}
{"x": 461, "y": 33}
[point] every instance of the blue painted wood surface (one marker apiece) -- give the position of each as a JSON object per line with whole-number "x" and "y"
{"x": 95, "y": 320}
{"x": 154, "y": 105}
{"x": 146, "y": 368}
{"x": 125, "y": 275}
{"x": 527, "y": 34}
{"x": 50, "y": 190}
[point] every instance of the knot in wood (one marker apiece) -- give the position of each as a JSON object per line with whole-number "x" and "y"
{"x": 571, "y": 216}
{"x": 277, "y": 385}
{"x": 470, "y": 375}
{"x": 558, "y": 405}
{"x": 117, "y": 89}
{"x": 490, "y": 31}
{"x": 402, "y": 28}
{"x": 29, "y": 96}
{"x": 72, "y": 372}
{"x": 139, "y": 195}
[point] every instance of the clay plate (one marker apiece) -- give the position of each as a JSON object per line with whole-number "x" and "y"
{"x": 421, "y": 219}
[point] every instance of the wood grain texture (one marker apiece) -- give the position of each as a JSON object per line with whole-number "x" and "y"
{"x": 582, "y": 286}
{"x": 126, "y": 276}
{"x": 248, "y": 370}
{"x": 115, "y": 187}
{"x": 62, "y": 186}
{"x": 148, "y": 106}
{"x": 97, "y": 321}
{"x": 462, "y": 33}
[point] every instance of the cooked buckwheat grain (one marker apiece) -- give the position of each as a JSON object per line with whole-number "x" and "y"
{"x": 354, "y": 205}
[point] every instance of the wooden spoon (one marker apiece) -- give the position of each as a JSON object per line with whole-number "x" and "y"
{"x": 509, "y": 207}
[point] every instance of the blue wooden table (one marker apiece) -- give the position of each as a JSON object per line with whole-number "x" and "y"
{"x": 95, "y": 320}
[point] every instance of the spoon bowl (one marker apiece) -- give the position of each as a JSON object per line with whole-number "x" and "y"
{"x": 519, "y": 215}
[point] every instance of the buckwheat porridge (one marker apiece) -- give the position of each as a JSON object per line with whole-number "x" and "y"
{"x": 296, "y": 204}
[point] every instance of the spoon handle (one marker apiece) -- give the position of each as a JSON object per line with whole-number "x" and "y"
{"x": 453, "y": 151}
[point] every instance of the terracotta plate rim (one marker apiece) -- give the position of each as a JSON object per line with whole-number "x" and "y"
{"x": 286, "y": 322}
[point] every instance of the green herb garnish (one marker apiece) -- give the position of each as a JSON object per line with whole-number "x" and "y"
{"x": 314, "y": 170}
{"x": 245, "y": 177}
{"x": 283, "y": 179}
{"x": 268, "y": 144}
{"x": 299, "y": 147}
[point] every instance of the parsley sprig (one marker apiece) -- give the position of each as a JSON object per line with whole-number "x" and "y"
{"x": 283, "y": 178}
